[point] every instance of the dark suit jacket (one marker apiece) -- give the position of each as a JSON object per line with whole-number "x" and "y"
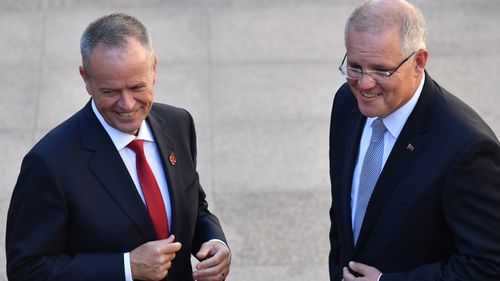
{"x": 435, "y": 210}
{"x": 75, "y": 209}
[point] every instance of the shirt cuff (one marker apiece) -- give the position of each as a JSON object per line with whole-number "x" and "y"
{"x": 217, "y": 240}
{"x": 128, "y": 270}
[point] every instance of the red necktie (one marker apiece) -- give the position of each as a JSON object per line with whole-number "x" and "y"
{"x": 151, "y": 190}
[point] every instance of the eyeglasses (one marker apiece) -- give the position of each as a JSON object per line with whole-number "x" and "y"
{"x": 376, "y": 76}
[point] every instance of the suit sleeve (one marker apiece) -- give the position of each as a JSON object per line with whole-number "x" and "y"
{"x": 471, "y": 205}
{"x": 207, "y": 225}
{"x": 36, "y": 232}
{"x": 333, "y": 259}
{"x": 340, "y": 108}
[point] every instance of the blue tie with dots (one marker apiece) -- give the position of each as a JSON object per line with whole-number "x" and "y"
{"x": 372, "y": 166}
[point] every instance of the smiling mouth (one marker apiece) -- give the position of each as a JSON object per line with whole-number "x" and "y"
{"x": 126, "y": 114}
{"x": 368, "y": 95}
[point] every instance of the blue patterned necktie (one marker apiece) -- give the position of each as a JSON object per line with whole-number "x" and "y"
{"x": 372, "y": 166}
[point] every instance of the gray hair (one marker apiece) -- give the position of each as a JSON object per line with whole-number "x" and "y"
{"x": 375, "y": 16}
{"x": 113, "y": 31}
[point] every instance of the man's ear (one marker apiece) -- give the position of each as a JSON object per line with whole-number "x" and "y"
{"x": 155, "y": 61}
{"x": 421, "y": 57}
{"x": 85, "y": 78}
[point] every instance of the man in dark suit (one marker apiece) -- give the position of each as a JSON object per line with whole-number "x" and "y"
{"x": 415, "y": 172}
{"x": 112, "y": 193}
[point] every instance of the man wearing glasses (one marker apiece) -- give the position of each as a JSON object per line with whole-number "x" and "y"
{"x": 415, "y": 172}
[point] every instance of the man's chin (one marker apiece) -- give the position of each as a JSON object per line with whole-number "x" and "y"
{"x": 132, "y": 130}
{"x": 369, "y": 111}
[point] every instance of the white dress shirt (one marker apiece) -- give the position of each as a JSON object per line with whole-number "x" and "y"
{"x": 121, "y": 140}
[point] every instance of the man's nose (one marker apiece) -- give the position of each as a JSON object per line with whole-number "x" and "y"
{"x": 365, "y": 82}
{"x": 126, "y": 101}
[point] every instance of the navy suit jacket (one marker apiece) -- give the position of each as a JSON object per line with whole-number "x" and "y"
{"x": 435, "y": 211}
{"x": 75, "y": 210}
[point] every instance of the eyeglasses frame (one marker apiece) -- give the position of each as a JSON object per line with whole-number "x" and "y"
{"x": 384, "y": 74}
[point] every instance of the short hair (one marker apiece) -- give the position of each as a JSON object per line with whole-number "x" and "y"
{"x": 113, "y": 31}
{"x": 376, "y": 16}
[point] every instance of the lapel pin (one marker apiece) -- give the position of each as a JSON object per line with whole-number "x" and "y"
{"x": 172, "y": 158}
{"x": 410, "y": 147}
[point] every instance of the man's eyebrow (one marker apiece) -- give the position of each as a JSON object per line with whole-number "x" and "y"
{"x": 372, "y": 66}
{"x": 102, "y": 89}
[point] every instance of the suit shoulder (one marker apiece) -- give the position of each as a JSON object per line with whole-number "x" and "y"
{"x": 344, "y": 99}
{"x": 171, "y": 117}
{"x": 170, "y": 111}
{"x": 344, "y": 96}
{"x": 61, "y": 137}
{"x": 344, "y": 103}
{"x": 458, "y": 118}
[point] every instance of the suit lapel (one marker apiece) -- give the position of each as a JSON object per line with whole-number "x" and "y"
{"x": 109, "y": 169}
{"x": 166, "y": 146}
{"x": 406, "y": 149}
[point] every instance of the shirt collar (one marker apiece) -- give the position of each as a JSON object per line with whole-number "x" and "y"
{"x": 119, "y": 138}
{"x": 395, "y": 121}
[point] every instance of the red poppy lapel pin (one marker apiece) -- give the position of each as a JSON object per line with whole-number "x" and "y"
{"x": 173, "y": 159}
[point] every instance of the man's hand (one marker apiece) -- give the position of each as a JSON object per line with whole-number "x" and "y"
{"x": 216, "y": 259}
{"x": 368, "y": 273}
{"x": 151, "y": 260}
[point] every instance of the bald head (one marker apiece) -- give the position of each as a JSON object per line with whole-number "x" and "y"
{"x": 375, "y": 16}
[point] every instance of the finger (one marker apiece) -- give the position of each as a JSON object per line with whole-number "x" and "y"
{"x": 211, "y": 273}
{"x": 168, "y": 246}
{"x": 217, "y": 255}
{"x": 206, "y": 250}
{"x": 346, "y": 274}
{"x": 168, "y": 252}
{"x": 215, "y": 262}
{"x": 170, "y": 239}
{"x": 160, "y": 244}
{"x": 360, "y": 268}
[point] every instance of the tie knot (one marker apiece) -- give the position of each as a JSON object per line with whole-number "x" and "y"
{"x": 137, "y": 146}
{"x": 378, "y": 128}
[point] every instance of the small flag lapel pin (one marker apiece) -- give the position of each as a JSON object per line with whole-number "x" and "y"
{"x": 173, "y": 159}
{"x": 410, "y": 147}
